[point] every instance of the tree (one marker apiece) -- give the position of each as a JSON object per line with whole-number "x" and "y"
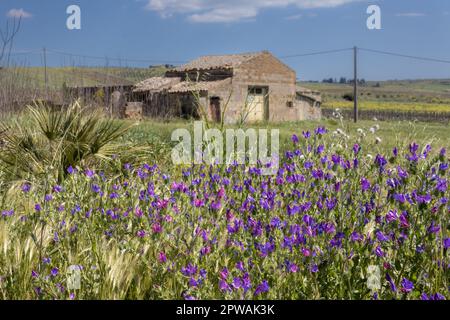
{"x": 7, "y": 39}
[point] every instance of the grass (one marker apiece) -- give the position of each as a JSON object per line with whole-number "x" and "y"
{"x": 313, "y": 231}
{"x": 390, "y": 106}
{"x": 391, "y": 133}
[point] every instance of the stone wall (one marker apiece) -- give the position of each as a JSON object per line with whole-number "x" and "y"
{"x": 266, "y": 71}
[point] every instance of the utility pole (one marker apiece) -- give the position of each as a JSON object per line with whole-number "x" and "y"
{"x": 45, "y": 72}
{"x": 355, "y": 84}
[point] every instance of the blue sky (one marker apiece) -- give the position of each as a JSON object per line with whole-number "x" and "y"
{"x": 179, "y": 30}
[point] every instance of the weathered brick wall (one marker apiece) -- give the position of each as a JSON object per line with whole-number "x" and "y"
{"x": 308, "y": 111}
{"x": 265, "y": 70}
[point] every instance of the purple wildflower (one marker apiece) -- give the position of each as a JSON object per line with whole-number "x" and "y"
{"x": 26, "y": 187}
{"x": 407, "y": 286}
{"x": 162, "y": 257}
{"x": 54, "y": 272}
{"x": 262, "y": 288}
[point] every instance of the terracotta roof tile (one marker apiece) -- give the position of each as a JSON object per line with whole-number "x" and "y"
{"x": 156, "y": 84}
{"x": 222, "y": 61}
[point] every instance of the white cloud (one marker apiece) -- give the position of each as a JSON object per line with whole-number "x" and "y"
{"x": 411, "y": 14}
{"x": 18, "y": 13}
{"x": 294, "y": 17}
{"x": 208, "y": 11}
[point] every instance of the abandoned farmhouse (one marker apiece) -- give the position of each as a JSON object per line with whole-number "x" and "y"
{"x": 247, "y": 87}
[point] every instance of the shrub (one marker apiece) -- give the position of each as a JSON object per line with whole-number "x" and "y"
{"x": 51, "y": 141}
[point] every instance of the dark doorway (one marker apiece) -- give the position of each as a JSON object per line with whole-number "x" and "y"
{"x": 214, "y": 107}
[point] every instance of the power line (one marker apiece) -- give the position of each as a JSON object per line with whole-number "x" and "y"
{"x": 112, "y": 59}
{"x": 25, "y": 52}
{"x": 281, "y": 57}
{"x": 315, "y": 53}
{"x": 405, "y": 56}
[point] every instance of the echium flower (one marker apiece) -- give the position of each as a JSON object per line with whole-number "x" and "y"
{"x": 237, "y": 283}
{"x": 391, "y": 283}
{"x": 54, "y": 272}
{"x": 407, "y": 286}
{"x": 395, "y": 152}
{"x": 381, "y": 162}
{"x": 205, "y": 250}
{"x": 379, "y": 252}
{"x": 224, "y": 286}
{"x": 404, "y": 219}
{"x": 436, "y": 296}
{"x": 329, "y": 227}
{"x": 399, "y": 197}
{"x": 162, "y": 257}
{"x": 443, "y": 167}
{"x": 189, "y": 271}
{"x": 141, "y": 233}
{"x": 426, "y": 151}
{"x": 413, "y": 147}
{"x": 447, "y": 243}
{"x": 95, "y": 188}
{"x": 26, "y": 187}
{"x": 240, "y": 266}
{"x": 320, "y": 149}
{"x": 356, "y": 148}
{"x": 262, "y": 288}
{"x": 156, "y": 228}
{"x": 291, "y": 267}
{"x": 331, "y": 203}
{"x": 320, "y": 131}
{"x": 381, "y": 236}
{"x": 224, "y": 273}
{"x": 89, "y": 173}
{"x": 433, "y": 228}
{"x": 391, "y": 216}
{"x": 7, "y": 213}
{"x": 356, "y": 237}
{"x": 441, "y": 185}
{"x": 365, "y": 184}
{"x": 71, "y": 170}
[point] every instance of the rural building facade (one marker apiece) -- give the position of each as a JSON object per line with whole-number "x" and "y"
{"x": 243, "y": 87}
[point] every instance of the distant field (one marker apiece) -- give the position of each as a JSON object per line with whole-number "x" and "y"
{"x": 401, "y": 95}
{"x": 429, "y": 91}
{"x": 390, "y": 106}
